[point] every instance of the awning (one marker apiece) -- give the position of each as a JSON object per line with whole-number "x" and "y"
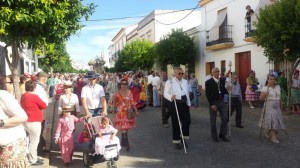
{"x": 214, "y": 31}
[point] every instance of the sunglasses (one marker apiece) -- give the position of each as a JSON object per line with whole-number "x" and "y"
{"x": 180, "y": 73}
{"x": 124, "y": 83}
{"x": 9, "y": 82}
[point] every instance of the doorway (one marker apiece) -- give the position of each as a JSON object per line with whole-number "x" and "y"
{"x": 243, "y": 67}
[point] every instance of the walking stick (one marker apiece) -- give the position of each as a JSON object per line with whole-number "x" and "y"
{"x": 264, "y": 113}
{"x": 180, "y": 126}
{"x": 179, "y": 122}
{"x": 229, "y": 113}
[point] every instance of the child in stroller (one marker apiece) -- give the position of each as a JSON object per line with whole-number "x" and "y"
{"x": 104, "y": 141}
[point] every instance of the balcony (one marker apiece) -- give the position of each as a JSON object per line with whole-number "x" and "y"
{"x": 219, "y": 38}
{"x": 249, "y": 32}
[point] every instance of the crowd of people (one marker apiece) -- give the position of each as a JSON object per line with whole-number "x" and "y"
{"x": 125, "y": 95}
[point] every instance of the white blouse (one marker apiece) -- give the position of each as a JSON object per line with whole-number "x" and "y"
{"x": 72, "y": 101}
{"x": 274, "y": 94}
{"x": 10, "y": 107}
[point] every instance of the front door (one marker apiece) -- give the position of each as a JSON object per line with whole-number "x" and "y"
{"x": 243, "y": 68}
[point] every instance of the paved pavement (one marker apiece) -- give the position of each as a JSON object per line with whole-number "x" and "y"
{"x": 151, "y": 144}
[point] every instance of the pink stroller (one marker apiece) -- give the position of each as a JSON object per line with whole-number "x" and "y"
{"x": 100, "y": 147}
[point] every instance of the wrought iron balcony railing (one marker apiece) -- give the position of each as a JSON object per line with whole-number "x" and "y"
{"x": 218, "y": 35}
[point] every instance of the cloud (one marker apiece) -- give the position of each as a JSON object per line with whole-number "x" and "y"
{"x": 110, "y": 25}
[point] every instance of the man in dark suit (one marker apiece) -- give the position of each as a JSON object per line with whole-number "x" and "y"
{"x": 215, "y": 89}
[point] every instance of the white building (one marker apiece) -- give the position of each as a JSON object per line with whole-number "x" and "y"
{"x": 156, "y": 25}
{"x": 118, "y": 43}
{"x": 26, "y": 63}
{"x": 222, "y": 35}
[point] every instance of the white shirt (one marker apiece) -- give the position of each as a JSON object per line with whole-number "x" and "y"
{"x": 178, "y": 88}
{"x": 154, "y": 81}
{"x": 274, "y": 94}
{"x": 40, "y": 91}
{"x": 150, "y": 77}
{"x": 93, "y": 95}
{"x": 72, "y": 101}
{"x": 10, "y": 107}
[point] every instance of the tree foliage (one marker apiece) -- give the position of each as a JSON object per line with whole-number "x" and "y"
{"x": 278, "y": 30}
{"x": 38, "y": 22}
{"x": 175, "y": 48}
{"x": 139, "y": 54}
{"x": 120, "y": 64}
{"x": 57, "y": 59}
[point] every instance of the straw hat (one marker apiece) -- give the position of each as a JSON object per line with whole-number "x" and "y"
{"x": 67, "y": 108}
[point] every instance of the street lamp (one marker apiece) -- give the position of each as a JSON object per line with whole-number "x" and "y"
{"x": 230, "y": 64}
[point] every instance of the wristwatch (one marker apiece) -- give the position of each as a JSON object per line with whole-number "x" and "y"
{"x": 2, "y": 123}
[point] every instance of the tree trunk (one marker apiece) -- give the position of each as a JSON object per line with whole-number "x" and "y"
{"x": 13, "y": 66}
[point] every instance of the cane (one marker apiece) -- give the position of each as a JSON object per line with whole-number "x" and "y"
{"x": 229, "y": 113}
{"x": 180, "y": 126}
{"x": 263, "y": 117}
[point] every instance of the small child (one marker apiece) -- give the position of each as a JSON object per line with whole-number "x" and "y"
{"x": 65, "y": 134}
{"x": 107, "y": 135}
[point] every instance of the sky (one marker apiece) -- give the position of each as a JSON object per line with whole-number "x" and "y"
{"x": 94, "y": 39}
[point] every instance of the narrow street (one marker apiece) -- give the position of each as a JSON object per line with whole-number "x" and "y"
{"x": 151, "y": 144}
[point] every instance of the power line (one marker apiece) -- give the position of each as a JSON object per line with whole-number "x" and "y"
{"x": 179, "y": 19}
{"x": 134, "y": 17}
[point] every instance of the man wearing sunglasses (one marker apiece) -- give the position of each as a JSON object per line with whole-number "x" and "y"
{"x": 93, "y": 96}
{"x": 177, "y": 90}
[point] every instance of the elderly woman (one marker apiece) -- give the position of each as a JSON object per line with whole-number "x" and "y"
{"x": 69, "y": 98}
{"x": 33, "y": 106}
{"x": 12, "y": 139}
{"x": 271, "y": 118}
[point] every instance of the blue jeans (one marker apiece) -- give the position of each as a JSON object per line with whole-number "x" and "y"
{"x": 95, "y": 112}
{"x": 195, "y": 100}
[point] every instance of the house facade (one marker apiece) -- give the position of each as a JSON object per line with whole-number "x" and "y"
{"x": 156, "y": 25}
{"x": 225, "y": 42}
{"x": 118, "y": 43}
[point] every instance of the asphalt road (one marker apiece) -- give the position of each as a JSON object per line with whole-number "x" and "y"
{"x": 151, "y": 144}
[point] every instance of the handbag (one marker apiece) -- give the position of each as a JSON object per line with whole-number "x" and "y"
{"x": 130, "y": 114}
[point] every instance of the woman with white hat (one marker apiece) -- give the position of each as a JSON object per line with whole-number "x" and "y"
{"x": 69, "y": 98}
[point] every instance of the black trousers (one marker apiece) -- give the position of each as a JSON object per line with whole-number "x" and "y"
{"x": 236, "y": 105}
{"x": 150, "y": 94}
{"x": 222, "y": 108}
{"x": 42, "y": 143}
{"x": 185, "y": 119}
{"x": 164, "y": 113}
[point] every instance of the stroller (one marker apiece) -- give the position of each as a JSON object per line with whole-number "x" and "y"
{"x": 108, "y": 149}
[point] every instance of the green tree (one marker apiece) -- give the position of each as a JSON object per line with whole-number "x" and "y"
{"x": 38, "y": 22}
{"x": 175, "y": 48}
{"x": 278, "y": 32}
{"x": 57, "y": 59}
{"x": 120, "y": 64}
{"x": 139, "y": 54}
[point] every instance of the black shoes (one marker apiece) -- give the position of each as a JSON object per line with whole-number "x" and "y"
{"x": 224, "y": 138}
{"x": 185, "y": 143}
{"x": 215, "y": 139}
{"x": 67, "y": 164}
{"x": 178, "y": 146}
{"x": 239, "y": 126}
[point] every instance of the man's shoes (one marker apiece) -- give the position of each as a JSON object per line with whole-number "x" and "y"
{"x": 185, "y": 143}
{"x": 239, "y": 126}
{"x": 224, "y": 138}
{"x": 37, "y": 163}
{"x": 215, "y": 139}
{"x": 178, "y": 146}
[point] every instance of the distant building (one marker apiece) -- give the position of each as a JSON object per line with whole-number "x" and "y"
{"x": 154, "y": 26}
{"x": 79, "y": 65}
